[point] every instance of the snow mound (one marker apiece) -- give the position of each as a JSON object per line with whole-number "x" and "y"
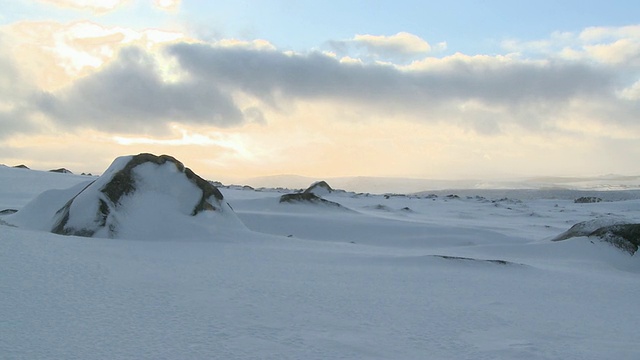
{"x": 140, "y": 196}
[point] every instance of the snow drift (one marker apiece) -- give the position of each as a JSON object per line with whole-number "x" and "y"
{"x": 141, "y": 196}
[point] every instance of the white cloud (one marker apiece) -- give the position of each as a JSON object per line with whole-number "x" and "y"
{"x": 398, "y": 47}
{"x": 619, "y": 46}
{"x": 619, "y": 52}
{"x": 602, "y": 33}
{"x": 257, "y": 44}
{"x": 167, "y": 5}
{"x": 401, "y": 43}
{"x": 97, "y": 6}
{"x": 631, "y": 93}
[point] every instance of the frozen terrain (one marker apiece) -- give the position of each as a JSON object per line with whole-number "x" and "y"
{"x": 428, "y": 276}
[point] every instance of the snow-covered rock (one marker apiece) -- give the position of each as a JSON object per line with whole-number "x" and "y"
{"x": 141, "y": 196}
{"x": 616, "y": 232}
{"x": 625, "y": 237}
{"x": 308, "y": 198}
{"x": 585, "y": 228}
{"x": 319, "y": 188}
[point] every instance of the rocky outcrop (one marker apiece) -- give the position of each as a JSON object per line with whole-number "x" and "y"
{"x": 587, "y": 200}
{"x": 309, "y": 198}
{"x": 61, "y": 171}
{"x": 624, "y": 236}
{"x": 138, "y": 196}
{"x": 312, "y": 195}
{"x": 319, "y": 188}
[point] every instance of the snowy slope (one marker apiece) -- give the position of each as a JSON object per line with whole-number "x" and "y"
{"x": 381, "y": 278}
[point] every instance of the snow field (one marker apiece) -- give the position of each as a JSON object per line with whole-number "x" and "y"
{"x": 303, "y": 281}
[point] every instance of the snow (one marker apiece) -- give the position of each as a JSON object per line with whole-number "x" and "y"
{"x": 301, "y": 281}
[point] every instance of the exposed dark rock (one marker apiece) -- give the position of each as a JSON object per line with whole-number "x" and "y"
{"x": 307, "y": 198}
{"x": 381, "y": 207}
{"x": 21, "y": 166}
{"x": 63, "y": 217}
{"x": 61, "y": 171}
{"x": 500, "y": 262}
{"x": 585, "y": 228}
{"x": 297, "y": 197}
{"x": 388, "y": 196}
{"x": 625, "y": 237}
{"x": 8, "y": 211}
{"x": 587, "y": 200}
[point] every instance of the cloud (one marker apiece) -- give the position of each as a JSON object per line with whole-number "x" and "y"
{"x": 130, "y": 96}
{"x": 400, "y": 43}
{"x": 631, "y": 93}
{"x": 15, "y": 90}
{"x": 230, "y": 83}
{"x": 401, "y": 46}
{"x": 57, "y": 54}
{"x": 96, "y": 6}
{"x": 417, "y": 89}
{"x": 167, "y": 5}
{"x": 619, "y": 46}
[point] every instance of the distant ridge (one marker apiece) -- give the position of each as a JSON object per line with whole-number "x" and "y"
{"x": 383, "y": 185}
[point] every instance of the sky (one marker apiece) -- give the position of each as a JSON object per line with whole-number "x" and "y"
{"x": 241, "y": 89}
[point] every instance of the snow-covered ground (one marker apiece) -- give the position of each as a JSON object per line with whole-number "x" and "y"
{"x": 382, "y": 277}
